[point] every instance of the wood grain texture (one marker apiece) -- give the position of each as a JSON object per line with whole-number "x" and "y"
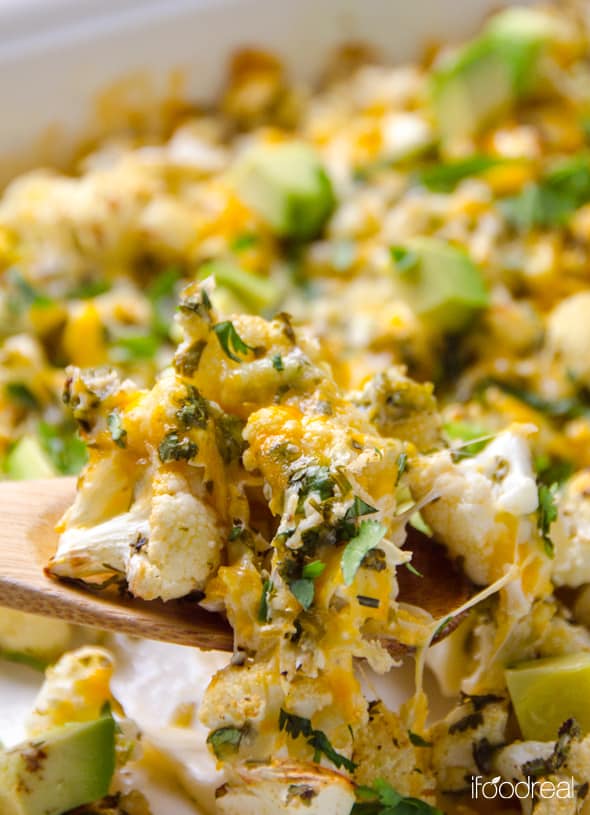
{"x": 29, "y": 511}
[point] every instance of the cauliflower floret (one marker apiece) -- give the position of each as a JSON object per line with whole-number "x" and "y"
{"x": 28, "y": 636}
{"x": 184, "y": 543}
{"x": 166, "y": 545}
{"x": 462, "y": 741}
{"x": 404, "y": 767}
{"x": 479, "y": 503}
{"x": 75, "y": 690}
{"x": 247, "y": 700}
{"x": 571, "y": 534}
{"x": 288, "y": 787}
{"x": 402, "y": 408}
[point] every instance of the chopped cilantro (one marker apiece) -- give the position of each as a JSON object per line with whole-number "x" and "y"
{"x": 546, "y": 515}
{"x": 402, "y": 466}
{"x": 21, "y": 395}
{"x": 116, "y": 429}
{"x": 553, "y": 199}
{"x": 193, "y": 410}
{"x": 552, "y": 470}
{"x": 297, "y": 726}
{"x": 263, "y": 608}
{"x": 89, "y": 289}
{"x": 243, "y": 241}
{"x": 413, "y": 570}
{"x": 277, "y": 363}
{"x": 370, "y": 602}
{"x": 228, "y": 437}
{"x": 444, "y": 176}
{"x": 188, "y": 360}
{"x": 312, "y": 570}
{"x": 172, "y": 448}
{"x": 441, "y": 627}
{"x": 225, "y": 741}
{"x": 417, "y": 740}
{"x": 369, "y": 535}
{"x": 230, "y": 341}
{"x": 383, "y": 799}
{"x": 303, "y": 590}
{"x": 359, "y": 508}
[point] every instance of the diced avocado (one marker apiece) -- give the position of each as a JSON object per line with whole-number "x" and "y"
{"x": 485, "y": 77}
{"x": 27, "y": 459}
{"x": 547, "y": 692}
{"x": 65, "y": 768}
{"x": 288, "y": 186}
{"x": 440, "y": 282}
{"x": 254, "y": 291}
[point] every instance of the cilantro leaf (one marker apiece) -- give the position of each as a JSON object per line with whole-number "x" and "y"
{"x": 313, "y": 570}
{"x": 359, "y": 508}
{"x": 546, "y": 515}
{"x": 402, "y": 466}
{"x": 417, "y": 740}
{"x": 225, "y": 741}
{"x": 173, "y": 448}
{"x": 383, "y": 799}
{"x": 303, "y": 590}
{"x": 553, "y": 199}
{"x": 263, "y": 608}
{"x": 22, "y": 395}
{"x": 230, "y": 341}
{"x": 116, "y": 429}
{"x": 297, "y": 726}
{"x": 369, "y": 535}
{"x": 444, "y": 176}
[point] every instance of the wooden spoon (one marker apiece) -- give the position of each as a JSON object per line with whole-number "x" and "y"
{"x": 29, "y": 511}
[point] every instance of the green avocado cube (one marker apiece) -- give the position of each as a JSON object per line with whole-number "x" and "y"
{"x": 255, "y": 292}
{"x": 286, "y": 184}
{"x": 547, "y": 692}
{"x": 63, "y": 769}
{"x": 483, "y": 79}
{"x": 440, "y": 283}
{"x": 27, "y": 459}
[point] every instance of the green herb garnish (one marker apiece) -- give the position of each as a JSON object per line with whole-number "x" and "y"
{"x": 263, "y": 608}
{"x": 230, "y": 341}
{"x": 225, "y": 741}
{"x": 116, "y": 429}
{"x": 297, "y": 726}
{"x": 312, "y": 570}
{"x": 546, "y": 515}
{"x": 173, "y": 448}
{"x": 383, "y": 799}
{"x": 369, "y": 535}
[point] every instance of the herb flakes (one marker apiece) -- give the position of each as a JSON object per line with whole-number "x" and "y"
{"x": 369, "y": 535}
{"x": 231, "y": 342}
